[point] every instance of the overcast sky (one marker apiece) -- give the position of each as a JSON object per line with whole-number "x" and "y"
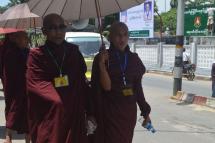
{"x": 3, "y": 2}
{"x": 161, "y": 5}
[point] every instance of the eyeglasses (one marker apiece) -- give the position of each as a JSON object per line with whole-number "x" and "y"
{"x": 54, "y": 28}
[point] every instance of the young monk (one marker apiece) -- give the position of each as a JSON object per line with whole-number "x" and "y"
{"x": 57, "y": 88}
{"x": 116, "y": 79}
{"x": 14, "y": 68}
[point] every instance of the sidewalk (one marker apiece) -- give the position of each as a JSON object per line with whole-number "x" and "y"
{"x": 194, "y": 99}
{"x": 168, "y": 73}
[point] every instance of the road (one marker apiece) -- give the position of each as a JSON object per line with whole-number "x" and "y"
{"x": 198, "y": 87}
{"x": 175, "y": 122}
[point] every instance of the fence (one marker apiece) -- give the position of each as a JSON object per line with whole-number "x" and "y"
{"x": 161, "y": 57}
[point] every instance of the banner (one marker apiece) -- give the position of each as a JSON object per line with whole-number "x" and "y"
{"x": 140, "y": 20}
{"x": 197, "y": 21}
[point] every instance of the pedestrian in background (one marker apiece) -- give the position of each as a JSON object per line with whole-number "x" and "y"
{"x": 14, "y": 58}
{"x": 116, "y": 81}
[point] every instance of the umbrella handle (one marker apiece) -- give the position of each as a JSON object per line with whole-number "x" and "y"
{"x": 98, "y": 12}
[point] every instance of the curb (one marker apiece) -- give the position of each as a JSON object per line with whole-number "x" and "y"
{"x": 199, "y": 77}
{"x": 194, "y": 99}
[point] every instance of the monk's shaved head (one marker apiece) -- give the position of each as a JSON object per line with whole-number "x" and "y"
{"x": 51, "y": 18}
{"x": 54, "y": 28}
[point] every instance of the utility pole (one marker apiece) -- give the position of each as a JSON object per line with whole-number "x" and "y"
{"x": 178, "y": 67}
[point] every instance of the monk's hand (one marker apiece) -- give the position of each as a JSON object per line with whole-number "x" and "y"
{"x": 103, "y": 57}
{"x": 92, "y": 119}
{"x": 102, "y": 47}
{"x": 146, "y": 120}
{"x": 91, "y": 125}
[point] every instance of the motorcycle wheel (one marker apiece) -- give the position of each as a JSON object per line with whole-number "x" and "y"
{"x": 191, "y": 74}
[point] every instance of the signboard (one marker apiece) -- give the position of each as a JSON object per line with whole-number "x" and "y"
{"x": 140, "y": 20}
{"x": 196, "y": 21}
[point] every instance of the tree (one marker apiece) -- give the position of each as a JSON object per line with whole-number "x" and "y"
{"x": 169, "y": 20}
{"x": 194, "y": 3}
{"x": 2, "y": 9}
{"x": 15, "y": 2}
{"x": 173, "y": 3}
{"x": 159, "y": 21}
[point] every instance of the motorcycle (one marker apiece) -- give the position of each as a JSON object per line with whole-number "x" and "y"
{"x": 189, "y": 71}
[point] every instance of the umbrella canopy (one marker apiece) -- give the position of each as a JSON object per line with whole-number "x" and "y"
{"x": 24, "y": 23}
{"x": 80, "y": 9}
{"x": 9, "y": 30}
{"x": 17, "y": 12}
{"x": 19, "y": 16}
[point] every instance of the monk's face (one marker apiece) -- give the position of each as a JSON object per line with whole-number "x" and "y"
{"x": 20, "y": 39}
{"x": 55, "y": 30}
{"x": 120, "y": 38}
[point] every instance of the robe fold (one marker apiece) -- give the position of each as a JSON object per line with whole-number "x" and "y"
{"x": 57, "y": 114}
{"x": 14, "y": 83}
{"x": 116, "y": 114}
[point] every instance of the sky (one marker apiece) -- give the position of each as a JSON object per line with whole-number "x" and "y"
{"x": 160, "y": 3}
{"x": 3, "y": 2}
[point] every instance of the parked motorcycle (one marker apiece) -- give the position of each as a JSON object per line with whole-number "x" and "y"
{"x": 189, "y": 71}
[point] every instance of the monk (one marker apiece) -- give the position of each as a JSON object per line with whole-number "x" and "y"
{"x": 116, "y": 81}
{"x": 14, "y": 60}
{"x": 57, "y": 89}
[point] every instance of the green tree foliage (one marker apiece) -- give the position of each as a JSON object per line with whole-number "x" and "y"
{"x": 14, "y": 2}
{"x": 168, "y": 20}
{"x": 173, "y": 3}
{"x": 194, "y": 3}
{"x": 2, "y": 9}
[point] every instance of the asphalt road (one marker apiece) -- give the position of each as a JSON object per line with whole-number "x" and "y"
{"x": 198, "y": 87}
{"x": 176, "y": 122}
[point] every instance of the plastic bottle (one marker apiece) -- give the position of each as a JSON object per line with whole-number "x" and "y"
{"x": 148, "y": 125}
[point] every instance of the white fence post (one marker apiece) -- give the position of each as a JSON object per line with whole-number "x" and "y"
{"x": 160, "y": 55}
{"x": 194, "y": 53}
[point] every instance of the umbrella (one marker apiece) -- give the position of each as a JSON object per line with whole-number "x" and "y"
{"x": 19, "y": 16}
{"x": 80, "y": 9}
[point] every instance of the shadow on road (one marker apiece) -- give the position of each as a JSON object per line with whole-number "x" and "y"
{"x": 15, "y": 136}
{"x": 183, "y": 103}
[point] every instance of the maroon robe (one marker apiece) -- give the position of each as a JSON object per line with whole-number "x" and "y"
{"x": 14, "y": 82}
{"x": 57, "y": 115}
{"x": 116, "y": 114}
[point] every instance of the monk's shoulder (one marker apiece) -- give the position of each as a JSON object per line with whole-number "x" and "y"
{"x": 71, "y": 47}
{"x": 36, "y": 52}
{"x": 138, "y": 62}
{"x": 134, "y": 56}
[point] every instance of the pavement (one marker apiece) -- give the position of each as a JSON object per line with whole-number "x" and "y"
{"x": 189, "y": 97}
